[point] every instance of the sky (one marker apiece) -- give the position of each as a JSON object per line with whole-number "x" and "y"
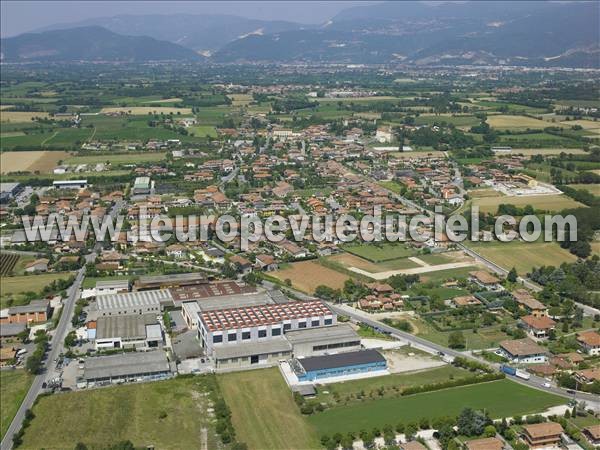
{"x": 18, "y": 16}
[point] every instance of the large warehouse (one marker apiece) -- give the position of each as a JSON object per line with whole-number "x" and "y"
{"x": 232, "y": 326}
{"x": 133, "y": 302}
{"x": 323, "y": 340}
{"x": 137, "y": 366}
{"x": 254, "y": 335}
{"x": 351, "y": 363}
{"x": 128, "y": 331}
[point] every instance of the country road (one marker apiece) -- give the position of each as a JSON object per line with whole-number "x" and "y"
{"x": 56, "y": 347}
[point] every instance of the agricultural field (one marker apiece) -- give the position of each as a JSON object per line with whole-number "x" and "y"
{"x": 547, "y": 151}
{"x": 523, "y": 256}
{"x": 510, "y": 122}
{"x": 550, "y": 203}
{"x": 203, "y": 130}
{"x": 13, "y": 287}
{"x": 14, "y": 385}
{"x": 264, "y": 414}
{"x": 7, "y": 263}
{"x": 308, "y": 275}
{"x": 20, "y": 116}
{"x": 240, "y": 99}
{"x": 460, "y": 121}
{"x": 125, "y": 158}
{"x": 144, "y": 110}
{"x": 31, "y": 161}
{"x": 164, "y": 414}
{"x": 501, "y": 398}
{"x": 591, "y": 188}
{"x": 379, "y": 252}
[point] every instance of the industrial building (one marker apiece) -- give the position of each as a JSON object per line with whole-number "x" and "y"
{"x": 128, "y": 331}
{"x": 321, "y": 367}
{"x": 136, "y": 366}
{"x": 70, "y": 184}
{"x": 133, "y": 302}
{"x": 36, "y": 311}
{"x": 141, "y": 186}
{"x": 8, "y": 191}
{"x": 243, "y": 356}
{"x": 323, "y": 340}
{"x": 149, "y": 282}
{"x": 112, "y": 287}
{"x": 245, "y": 336}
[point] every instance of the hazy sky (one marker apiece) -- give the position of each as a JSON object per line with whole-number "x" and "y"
{"x": 21, "y": 16}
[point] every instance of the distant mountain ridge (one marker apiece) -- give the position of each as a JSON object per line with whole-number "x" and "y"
{"x": 527, "y": 33}
{"x": 91, "y": 43}
{"x": 202, "y": 33}
{"x": 524, "y": 33}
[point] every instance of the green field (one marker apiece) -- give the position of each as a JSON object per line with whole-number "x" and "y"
{"x": 591, "y": 188}
{"x": 126, "y": 158}
{"x": 203, "y": 130}
{"x": 379, "y": 252}
{"x": 502, "y": 398}
{"x": 14, "y": 384}
{"x": 523, "y": 255}
{"x": 263, "y": 412}
{"x": 551, "y": 203}
{"x": 165, "y": 414}
{"x": 371, "y": 386}
{"x": 11, "y": 287}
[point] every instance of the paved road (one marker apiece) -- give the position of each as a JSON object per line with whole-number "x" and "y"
{"x": 57, "y": 345}
{"x": 535, "y": 382}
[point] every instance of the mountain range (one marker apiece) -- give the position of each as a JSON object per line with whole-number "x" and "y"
{"x": 528, "y": 33}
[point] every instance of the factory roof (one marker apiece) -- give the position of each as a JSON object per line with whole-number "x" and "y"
{"x": 341, "y": 360}
{"x": 126, "y": 364}
{"x": 133, "y": 299}
{"x": 250, "y": 316}
{"x": 333, "y": 333}
{"x": 130, "y": 326}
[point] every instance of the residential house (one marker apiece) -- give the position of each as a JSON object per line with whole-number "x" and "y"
{"x": 485, "y": 280}
{"x": 542, "y": 435}
{"x": 589, "y": 342}
{"x": 523, "y": 351}
{"x": 266, "y": 262}
{"x": 491, "y": 443}
{"x": 39, "y": 265}
{"x": 538, "y": 327}
{"x": 592, "y": 434}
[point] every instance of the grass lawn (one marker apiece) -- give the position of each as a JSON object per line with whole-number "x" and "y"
{"x": 523, "y": 255}
{"x": 264, "y": 413}
{"x": 13, "y": 286}
{"x": 484, "y": 338}
{"x": 14, "y": 384}
{"x": 443, "y": 275}
{"x": 379, "y": 252}
{"x": 550, "y": 203}
{"x": 101, "y": 417}
{"x": 501, "y": 398}
{"x": 203, "y": 130}
{"x": 389, "y": 383}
